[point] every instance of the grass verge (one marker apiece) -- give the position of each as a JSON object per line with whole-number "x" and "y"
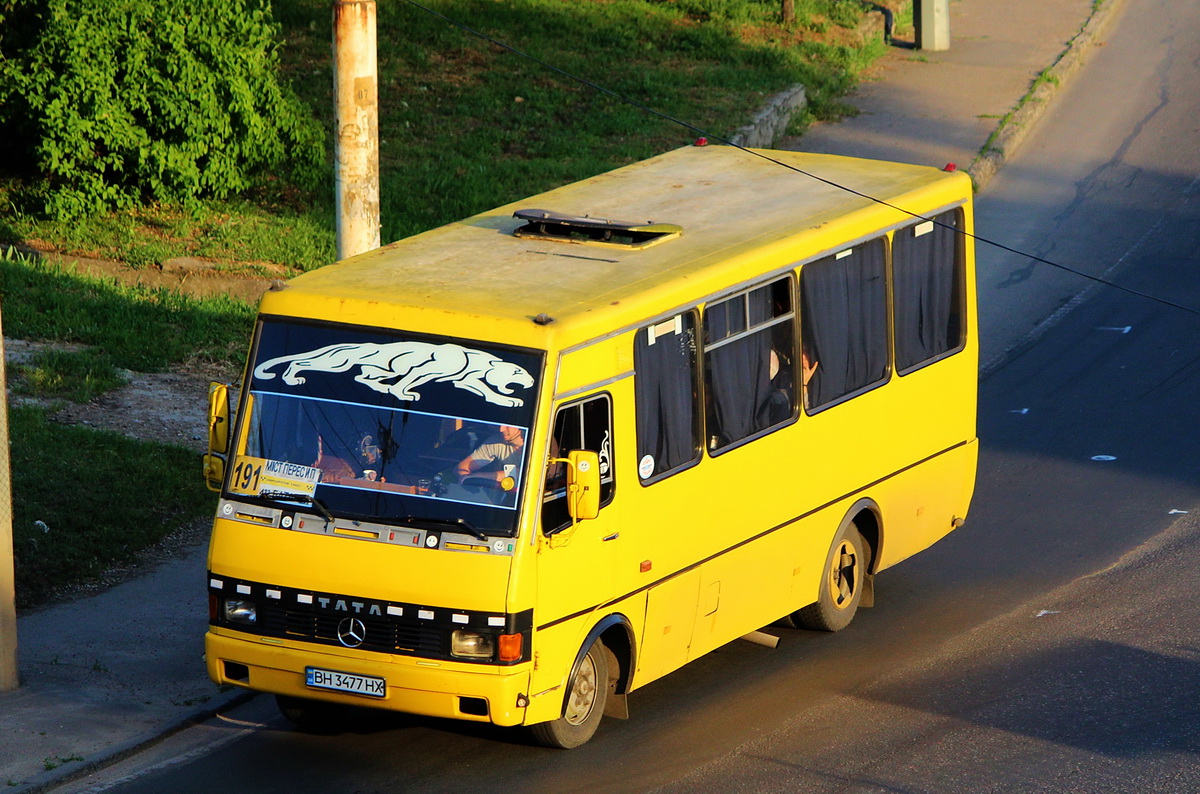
{"x": 125, "y": 495}
{"x": 466, "y": 125}
{"x": 60, "y": 374}
{"x": 138, "y": 328}
{"x": 84, "y": 499}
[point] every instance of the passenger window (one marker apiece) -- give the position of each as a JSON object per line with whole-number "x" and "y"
{"x": 583, "y": 425}
{"x": 749, "y": 363}
{"x": 844, "y": 323}
{"x": 927, "y": 269}
{"x": 666, "y": 397}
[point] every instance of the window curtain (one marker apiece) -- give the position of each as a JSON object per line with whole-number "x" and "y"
{"x": 738, "y": 372}
{"x": 844, "y": 322}
{"x": 927, "y": 272}
{"x": 665, "y": 397}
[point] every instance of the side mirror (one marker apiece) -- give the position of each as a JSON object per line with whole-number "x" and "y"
{"x": 583, "y": 484}
{"x": 214, "y": 472}
{"x": 219, "y": 412}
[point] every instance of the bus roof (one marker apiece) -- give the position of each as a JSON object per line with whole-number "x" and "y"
{"x": 476, "y": 279}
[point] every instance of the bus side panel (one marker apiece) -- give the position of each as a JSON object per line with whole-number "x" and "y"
{"x": 931, "y": 426}
{"x": 719, "y": 545}
{"x": 554, "y": 653}
{"x": 750, "y": 586}
{"x": 671, "y": 615}
{"x": 555, "y": 650}
{"x": 909, "y": 445}
{"x": 919, "y": 507}
{"x": 865, "y": 447}
{"x": 594, "y": 363}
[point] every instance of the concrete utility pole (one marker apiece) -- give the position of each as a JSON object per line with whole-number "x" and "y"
{"x": 356, "y": 149}
{"x": 8, "y": 595}
{"x": 932, "y": 21}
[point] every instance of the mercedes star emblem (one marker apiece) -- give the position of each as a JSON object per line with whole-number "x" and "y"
{"x": 351, "y": 632}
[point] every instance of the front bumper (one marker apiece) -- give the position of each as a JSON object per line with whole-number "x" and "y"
{"x": 416, "y": 686}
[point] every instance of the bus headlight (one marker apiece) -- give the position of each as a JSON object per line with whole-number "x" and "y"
{"x": 240, "y": 611}
{"x": 472, "y": 644}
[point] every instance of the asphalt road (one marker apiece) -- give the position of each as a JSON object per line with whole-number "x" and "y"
{"x": 1049, "y": 645}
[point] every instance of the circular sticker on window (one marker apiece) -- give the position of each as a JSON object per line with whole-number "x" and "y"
{"x": 646, "y": 466}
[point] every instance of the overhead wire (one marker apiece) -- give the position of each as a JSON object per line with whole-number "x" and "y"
{"x": 702, "y": 133}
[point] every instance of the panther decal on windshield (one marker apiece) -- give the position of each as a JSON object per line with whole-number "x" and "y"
{"x": 399, "y": 368}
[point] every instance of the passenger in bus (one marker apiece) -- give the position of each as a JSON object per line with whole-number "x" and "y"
{"x": 499, "y": 456}
{"x": 334, "y": 467}
{"x": 368, "y": 452}
{"x": 778, "y": 406}
{"x": 556, "y": 469}
{"x": 808, "y": 368}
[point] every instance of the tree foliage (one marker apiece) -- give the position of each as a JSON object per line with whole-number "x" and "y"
{"x": 106, "y": 104}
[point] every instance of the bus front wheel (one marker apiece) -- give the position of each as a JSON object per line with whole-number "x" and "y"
{"x": 313, "y": 716}
{"x": 841, "y": 585}
{"x": 585, "y": 704}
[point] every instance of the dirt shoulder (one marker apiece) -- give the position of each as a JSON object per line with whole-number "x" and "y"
{"x": 168, "y": 408}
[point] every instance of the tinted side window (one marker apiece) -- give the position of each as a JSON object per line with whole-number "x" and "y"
{"x": 844, "y": 336}
{"x": 666, "y": 393}
{"x": 749, "y": 363}
{"x": 927, "y": 268}
{"x": 586, "y": 424}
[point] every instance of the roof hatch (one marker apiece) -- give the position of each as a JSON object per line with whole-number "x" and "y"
{"x": 549, "y": 225}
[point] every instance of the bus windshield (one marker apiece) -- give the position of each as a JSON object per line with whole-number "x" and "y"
{"x": 386, "y": 427}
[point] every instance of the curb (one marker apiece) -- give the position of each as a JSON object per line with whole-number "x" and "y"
{"x": 73, "y": 771}
{"x": 1016, "y": 126}
{"x": 770, "y": 123}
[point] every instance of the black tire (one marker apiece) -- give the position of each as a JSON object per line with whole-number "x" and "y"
{"x": 841, "y": 584}
{"x": 313, "y": 716}
{"x": 584, "y": 705}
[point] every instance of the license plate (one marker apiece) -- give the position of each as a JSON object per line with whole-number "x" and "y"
{"x": 334, "y": 681}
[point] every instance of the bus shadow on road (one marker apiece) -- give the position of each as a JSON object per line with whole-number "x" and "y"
{"x": 1099, "y": 696}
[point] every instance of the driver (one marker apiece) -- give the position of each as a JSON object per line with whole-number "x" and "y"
{"x": 496, "y": 458}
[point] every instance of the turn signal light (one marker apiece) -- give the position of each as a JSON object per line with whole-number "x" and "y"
{"x": 510, "y": 647}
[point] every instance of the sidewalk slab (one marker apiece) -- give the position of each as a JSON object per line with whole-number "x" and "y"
{"x": 104, "y": 675}
{"x": 934, "y": 108}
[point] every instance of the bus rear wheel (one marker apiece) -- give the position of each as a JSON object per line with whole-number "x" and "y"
{"x": 584, "y": 706}
{"x": 841, "y": 585}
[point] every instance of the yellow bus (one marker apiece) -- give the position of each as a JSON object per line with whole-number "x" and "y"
{"x": 511, "y": 469}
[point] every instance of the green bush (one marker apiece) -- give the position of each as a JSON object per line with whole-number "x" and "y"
{"x": 107, "y": 104}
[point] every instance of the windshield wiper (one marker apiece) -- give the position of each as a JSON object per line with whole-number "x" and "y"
{"x": 455, "y": 523}
{"x": 304, "y": 499}
{"x": 460, "y": 524}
